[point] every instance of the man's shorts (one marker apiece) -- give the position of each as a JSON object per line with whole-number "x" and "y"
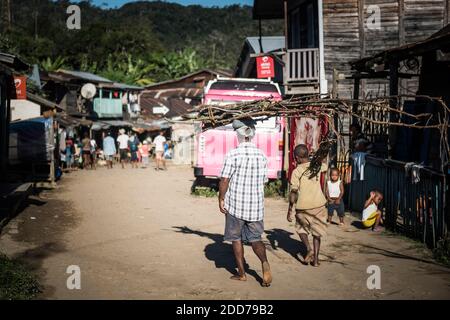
{"x": 159, "y": 155}
{"x": 247, "y": 231}
{"x": 109, "y": 157}
{"x": 123, "y": 154}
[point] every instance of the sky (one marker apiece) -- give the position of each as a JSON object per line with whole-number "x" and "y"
{"x": 206, "y": 3}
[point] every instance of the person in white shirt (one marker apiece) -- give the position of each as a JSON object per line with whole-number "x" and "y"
{"x": 93, "y": 154}
{"x": 334, "y": 193}
{"x": 122, "y": 139}
{"x": 371, "y": 216}
{"x": 159, "y": 151}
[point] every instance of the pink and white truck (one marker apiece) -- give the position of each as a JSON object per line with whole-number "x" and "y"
{"x": 213, "y": 144}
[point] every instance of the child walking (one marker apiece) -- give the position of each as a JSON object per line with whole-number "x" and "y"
{"x": 144, "y": 151}
{"x": 334, "y": 193}
{"x": 371, "y": 216}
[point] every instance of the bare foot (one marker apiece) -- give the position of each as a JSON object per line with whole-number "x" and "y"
{"x": 239, "y": 277}
{"x": 315, "y": 263}
{"x": 267, "y": 274}
{"x": 309, "y": 256}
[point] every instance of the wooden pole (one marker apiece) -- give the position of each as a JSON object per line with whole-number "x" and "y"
{"x": 356, "y": 84}
{"x": 334, "y": 148}
{"x": 393, "y": 91}
{"x": 401, "y": 23}
{"x": 260, "y": 37}
{"x": 286, "y": 39}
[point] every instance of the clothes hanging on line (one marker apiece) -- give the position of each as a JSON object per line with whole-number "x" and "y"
{"x": 359, "y": 162}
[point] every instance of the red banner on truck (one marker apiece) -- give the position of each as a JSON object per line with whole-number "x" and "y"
{"x": 265, "y": 67}
{"x": 21, "y": 87}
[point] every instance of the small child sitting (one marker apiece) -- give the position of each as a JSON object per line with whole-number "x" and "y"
{"x": 371, "y": 216}
{"x": 334, "y": 193}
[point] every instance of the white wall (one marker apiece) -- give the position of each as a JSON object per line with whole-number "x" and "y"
{"x": 24, "y": 109}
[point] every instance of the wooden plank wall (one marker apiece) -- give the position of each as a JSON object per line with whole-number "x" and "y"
{"x": 347, "y": 37}
{"x": 341, "y": 39}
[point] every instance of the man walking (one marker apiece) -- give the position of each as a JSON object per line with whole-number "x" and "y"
{"x": 241, "y": 198}
{"x": 109, "y": 150}
{"x": 86, "y": 151}
{"x": 122, "y": 139}
{"x": 159, "y": 150}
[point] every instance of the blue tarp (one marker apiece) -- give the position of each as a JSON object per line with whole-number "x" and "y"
{"x": 31, "y": 140}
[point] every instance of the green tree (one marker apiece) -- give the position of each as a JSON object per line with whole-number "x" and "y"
{"x": 50, "y": 64}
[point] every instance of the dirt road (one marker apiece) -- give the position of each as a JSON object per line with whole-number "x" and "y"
{"x": 138, "y": 233}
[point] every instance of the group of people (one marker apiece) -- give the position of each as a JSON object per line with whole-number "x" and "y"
{"x": 77, "y": 153}
{"x": 241, "y": 200}
{"x": 130, "y": 149}
{"x": 127, "y": 148}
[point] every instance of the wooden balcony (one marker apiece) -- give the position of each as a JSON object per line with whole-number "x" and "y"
{"x": 301, "y": 71}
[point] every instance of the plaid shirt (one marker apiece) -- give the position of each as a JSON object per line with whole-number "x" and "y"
{"x": 246, "y": 166}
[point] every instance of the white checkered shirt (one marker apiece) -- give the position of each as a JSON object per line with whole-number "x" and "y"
{"x": 246, "y": 166}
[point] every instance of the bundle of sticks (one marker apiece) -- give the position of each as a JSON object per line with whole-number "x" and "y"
{"x": 317, "y": 106}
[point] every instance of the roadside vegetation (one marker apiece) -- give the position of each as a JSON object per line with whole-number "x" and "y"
{"x": 272, "y": 189}
{"x": 442, "y": 251}
{"x": 16, "y": 281}
{"x": 138, "y": 43}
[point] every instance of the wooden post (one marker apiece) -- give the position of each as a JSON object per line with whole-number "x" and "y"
{"x": 334, "y": 148}
{"x": 401, "y": 23}
{"x": 446, "y": 13}
{"x": 393, "y": 102}
{"x": 286, "y": 39}
{"x": 355, "y": 97}
{"x": 260, "y": 37}
{"x": 362, "y": 38}
{"x": 52, "y": 157}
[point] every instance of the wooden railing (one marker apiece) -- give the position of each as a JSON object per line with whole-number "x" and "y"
{"x": 301, "y": 65}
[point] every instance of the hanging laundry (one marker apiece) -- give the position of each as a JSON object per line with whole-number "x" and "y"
{"x": 412, "y": 170}
{"x": 359, "y": 162}
{"x": 308, "y": 132}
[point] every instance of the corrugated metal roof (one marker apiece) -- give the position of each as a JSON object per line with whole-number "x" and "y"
{"x": 85, "y": 76}
{"x": 268, "y": 9}
{"x": 176, "y": 107}
{"x": 214, "y": 72}
{"x": 269, "y": 44}
{"x": 42, "y": 101}
{"x": 13, "y": 62}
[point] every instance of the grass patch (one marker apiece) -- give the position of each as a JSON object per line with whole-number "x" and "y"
{"x": 273, "y": 189}
{"x": 16, "y": 281}
{"x": 205, "y": 192}
{"x": 442, "y": 251}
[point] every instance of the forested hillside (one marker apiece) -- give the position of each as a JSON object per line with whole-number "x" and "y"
{"x": 140, "y": 42}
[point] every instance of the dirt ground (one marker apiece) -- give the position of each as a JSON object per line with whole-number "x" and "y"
{"x": 139, "y": 234}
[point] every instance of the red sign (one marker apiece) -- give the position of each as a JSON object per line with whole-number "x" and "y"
{"x": 21, "y": 87}
{"x": 265, "y": 67}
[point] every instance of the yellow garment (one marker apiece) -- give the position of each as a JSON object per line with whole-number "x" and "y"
{"x": 370, "y": 221}
{"x": 310, "y": 192}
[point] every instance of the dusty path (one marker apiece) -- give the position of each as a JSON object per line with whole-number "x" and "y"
{"x": 139, "y": 234}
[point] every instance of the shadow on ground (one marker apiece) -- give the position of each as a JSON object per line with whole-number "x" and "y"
{"x": 281, "y": 239}
{"x": 220, "y": 252}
